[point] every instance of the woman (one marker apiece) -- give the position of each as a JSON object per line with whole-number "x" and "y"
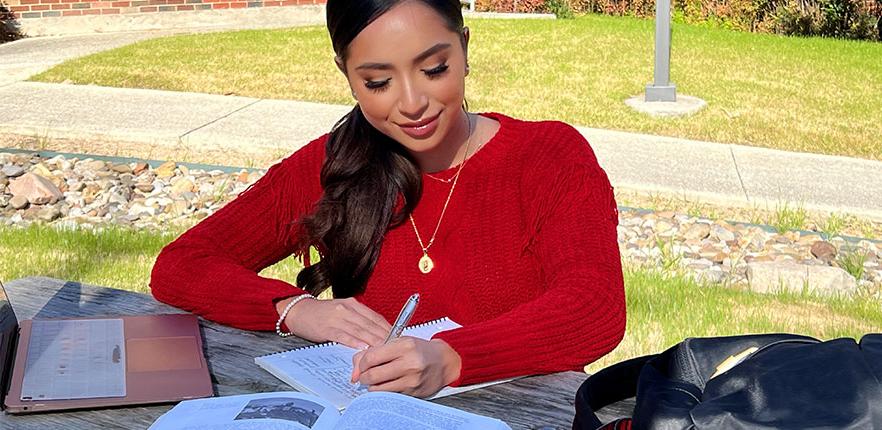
{"x": 506, "y": 226}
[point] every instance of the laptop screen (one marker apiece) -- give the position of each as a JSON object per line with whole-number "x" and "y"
{"x": 8, "y": 331}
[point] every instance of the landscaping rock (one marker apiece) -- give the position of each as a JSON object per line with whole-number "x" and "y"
{"x": 12, "y": 171}
{"x": 140, "y": 167}
{"x": 824, "y": 251}
{"x": 95, "y": 193}
{"x": 18, "y": 202}
{"x": 698, "y": 231}
{"x": 36, "y": 189}
{"x": 769, "y": 277}
{"x": 121, "y": 168}
{"x": 166, "y": 170}
{"x": 48, "y": 214}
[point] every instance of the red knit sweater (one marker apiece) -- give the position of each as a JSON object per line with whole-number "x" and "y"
{"x": 526, "y": 258}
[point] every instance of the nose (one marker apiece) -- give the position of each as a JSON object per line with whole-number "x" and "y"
{"x": 413, "y": 101}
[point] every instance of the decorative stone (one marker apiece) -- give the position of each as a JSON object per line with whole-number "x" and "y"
{"x": 182, "y": 186}
{"x": 721, "y": 233}
{"x": 144, "y": 187}
{"x": 121, "y": 168}
{"x": 49, "y": 214}
{"x": 698, "y": 231}
{"x": 140, "y": 167}
{"x": 12, "y": 171}
{"x": 42, "y": 170}
{"x": 93, "y": 165}
{"x": 824, "y": 251}
{"x": 166, "y": 170}
{"x": 36, "y": 189}
{"x": 764, "y": 277}
{"x": 18, "y": 202}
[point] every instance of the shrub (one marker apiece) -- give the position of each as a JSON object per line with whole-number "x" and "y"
{"x": 8, "y": 27}
{"x": 560, "y": 8}
{"x": 851, "y": 19}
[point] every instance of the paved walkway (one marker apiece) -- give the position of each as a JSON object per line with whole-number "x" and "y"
{"x": 712, "y": 172}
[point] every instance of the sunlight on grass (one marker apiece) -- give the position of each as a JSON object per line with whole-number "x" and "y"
{"x": 803, "y": 94}
{"x": 662, "y": 310}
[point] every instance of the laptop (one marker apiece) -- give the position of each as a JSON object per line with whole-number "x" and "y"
{"x": 93, "y": 362}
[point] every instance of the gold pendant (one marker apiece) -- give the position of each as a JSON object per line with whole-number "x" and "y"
{"x": 426, "y": 264}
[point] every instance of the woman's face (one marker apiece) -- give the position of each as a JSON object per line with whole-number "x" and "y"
{"x": 407, "y": 71}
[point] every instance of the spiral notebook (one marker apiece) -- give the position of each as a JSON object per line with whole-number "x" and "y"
{"x": 324, "y": 370}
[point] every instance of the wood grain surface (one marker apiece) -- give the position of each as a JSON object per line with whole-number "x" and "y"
{"x": 540, "y": 402}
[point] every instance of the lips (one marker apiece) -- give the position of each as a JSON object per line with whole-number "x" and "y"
{"x": 422, "y": 128}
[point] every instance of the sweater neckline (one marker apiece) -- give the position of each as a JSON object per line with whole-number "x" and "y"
{"x": 483, "y": 150}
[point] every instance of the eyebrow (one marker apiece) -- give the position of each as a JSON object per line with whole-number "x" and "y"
{"x": 425, "y": 54}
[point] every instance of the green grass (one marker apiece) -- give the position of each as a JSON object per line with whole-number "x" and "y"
{"x": 112, "y": 257}
{"x": 803, "y": 94}
{"x": 786, "y": 218}
{"x": 662, "y": 310}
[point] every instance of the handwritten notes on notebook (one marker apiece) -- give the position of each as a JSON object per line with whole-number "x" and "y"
{"x": 324, "y": 370}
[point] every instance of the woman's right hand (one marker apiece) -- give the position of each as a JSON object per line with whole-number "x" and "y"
{"x": 345, "y": 321}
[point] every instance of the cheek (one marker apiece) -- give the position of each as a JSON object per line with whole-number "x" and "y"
{"x": 450, "y": 90}
{"x": 376, "y": 108}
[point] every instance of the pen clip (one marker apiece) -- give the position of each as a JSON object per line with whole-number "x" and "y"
{"x": 404, "y": 317}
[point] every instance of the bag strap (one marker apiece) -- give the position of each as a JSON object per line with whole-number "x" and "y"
{"x": 609, "y": 385}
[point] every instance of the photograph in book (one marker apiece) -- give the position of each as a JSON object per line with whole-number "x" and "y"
{"x": 282, "y": 408}
{"x": 293, "y": 410}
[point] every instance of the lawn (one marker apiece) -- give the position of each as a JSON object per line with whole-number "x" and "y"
{"x": 803, "y": 94}
{"x": 662, "y": 310}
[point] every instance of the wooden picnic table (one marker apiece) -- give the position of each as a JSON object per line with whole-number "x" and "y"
{"x": 535, "y": 402}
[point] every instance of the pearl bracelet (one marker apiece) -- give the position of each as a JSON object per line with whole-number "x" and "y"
{"x": 285, "y": 313}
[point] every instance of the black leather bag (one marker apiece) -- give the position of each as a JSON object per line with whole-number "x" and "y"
{"x": 786, "y": 382}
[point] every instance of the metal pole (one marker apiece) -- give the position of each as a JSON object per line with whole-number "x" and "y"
{"x": 662, "y": 90}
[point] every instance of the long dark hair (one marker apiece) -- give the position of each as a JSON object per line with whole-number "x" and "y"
{"x": 370, "y": 182}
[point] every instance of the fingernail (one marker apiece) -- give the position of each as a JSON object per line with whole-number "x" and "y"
{"x": 362, "y": 346}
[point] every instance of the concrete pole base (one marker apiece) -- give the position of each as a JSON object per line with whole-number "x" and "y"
{"x": 661, "y": 93}
{"x": 684, "y": 105}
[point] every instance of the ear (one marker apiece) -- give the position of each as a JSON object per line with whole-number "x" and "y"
{"x": 465, "y": 48}
{"x": 340, "y": 66}
{"x": 465, "y": 41}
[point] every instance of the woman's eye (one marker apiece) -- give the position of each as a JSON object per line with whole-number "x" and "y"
{"x": 376, "y": 86}
{"x": 435, "y": 71}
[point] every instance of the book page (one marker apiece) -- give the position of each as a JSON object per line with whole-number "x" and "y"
{"x": 324, "y": 370}
{"x": 392, "y": 411}
{"x": 286, "y": 410}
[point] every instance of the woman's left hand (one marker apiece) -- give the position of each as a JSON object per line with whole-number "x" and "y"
{"x": 407, "y": 365}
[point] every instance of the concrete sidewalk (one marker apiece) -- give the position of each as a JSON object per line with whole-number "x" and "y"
{"x": 711, "y": 172}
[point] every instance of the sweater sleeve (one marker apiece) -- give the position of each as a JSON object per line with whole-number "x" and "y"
{"x": 579, "y": 314}
{"x": 212, "y": 269}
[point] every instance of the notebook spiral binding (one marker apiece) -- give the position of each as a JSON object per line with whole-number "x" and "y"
{"x": 322, "y": 345}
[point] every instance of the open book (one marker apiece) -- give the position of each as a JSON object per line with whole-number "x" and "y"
{"x": 325, "y": 369}
{"x": 293, "y": 410}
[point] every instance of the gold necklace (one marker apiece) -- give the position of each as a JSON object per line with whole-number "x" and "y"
{"x": 426, "y": 264}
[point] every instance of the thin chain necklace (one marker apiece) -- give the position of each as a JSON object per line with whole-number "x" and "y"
{"x": 426, "y": 264}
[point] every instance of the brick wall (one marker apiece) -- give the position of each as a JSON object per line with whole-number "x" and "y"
{"x": 26, "y": 9}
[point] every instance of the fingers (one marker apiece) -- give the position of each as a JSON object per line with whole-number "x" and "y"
{"x": 356, "y": 368}
{"x": 353, "y": 324}
{"x": 383, "y": 364}
{"x": 372, "y": 324}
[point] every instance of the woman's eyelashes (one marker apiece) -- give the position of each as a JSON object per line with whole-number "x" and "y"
{"x": 436, "y": 71}
{"x": 433, "y": 73}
